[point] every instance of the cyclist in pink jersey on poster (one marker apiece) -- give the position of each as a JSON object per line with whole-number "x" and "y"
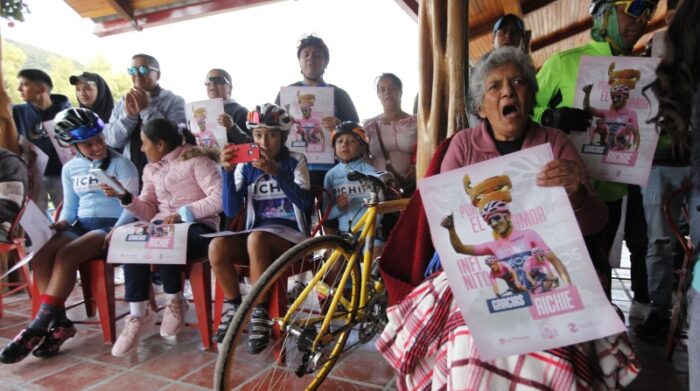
{"x": 504, "y": 272}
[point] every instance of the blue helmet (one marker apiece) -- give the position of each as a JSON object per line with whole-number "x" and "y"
{"x": 77, "y": 124}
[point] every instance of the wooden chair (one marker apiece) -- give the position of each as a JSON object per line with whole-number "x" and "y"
{"x": 679, "y": 299}
{"x": 16, "y": 250}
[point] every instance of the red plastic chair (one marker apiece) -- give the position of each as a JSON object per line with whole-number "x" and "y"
{"x": 675, "y": 329}
{"x": 16, "y": 250}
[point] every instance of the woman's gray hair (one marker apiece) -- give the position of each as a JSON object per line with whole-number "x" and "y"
{"x": 495, "y": 59}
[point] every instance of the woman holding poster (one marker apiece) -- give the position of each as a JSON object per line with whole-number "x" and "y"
{"x": 426, "y": 339}
{"x": 86, "y": 218}
{"x": 181, "y": 184}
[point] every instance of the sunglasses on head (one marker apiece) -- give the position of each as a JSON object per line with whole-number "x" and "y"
{"x": 217, "y": 80}
{"x": 638, "y": 8}
{"x": 143, "y": 70}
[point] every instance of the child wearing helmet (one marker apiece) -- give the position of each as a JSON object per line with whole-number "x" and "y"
{"x": 86, "y": 218}
{"x": 350, "y": 143}
{"x": 275, "y": 189}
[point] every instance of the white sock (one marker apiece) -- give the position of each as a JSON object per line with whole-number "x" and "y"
{"x": 138, "y": 308}
{"x": 170, "y": 297}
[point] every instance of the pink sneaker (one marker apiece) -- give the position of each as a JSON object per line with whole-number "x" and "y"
{"x": 174, "y": 318}
{"x": 129, "y": 338}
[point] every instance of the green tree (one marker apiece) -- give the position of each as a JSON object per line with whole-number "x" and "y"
{"x": 61, "y": 68}
{"x": 13, "y": 10}
{"x": 13, "y": 58}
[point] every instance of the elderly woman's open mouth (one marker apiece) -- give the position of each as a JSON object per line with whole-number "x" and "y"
{"x": 510, "y": 110}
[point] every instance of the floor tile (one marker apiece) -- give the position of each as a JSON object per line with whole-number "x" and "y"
{"x": 32, "y": 368}
{"x": 364, "y": 366}
{"x": 131, "y": 381}
{"x": 178, "y": 363}
{"x": 74, "y": 378}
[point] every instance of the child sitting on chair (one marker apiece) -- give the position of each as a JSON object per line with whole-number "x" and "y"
{"x": 276, "y": 190}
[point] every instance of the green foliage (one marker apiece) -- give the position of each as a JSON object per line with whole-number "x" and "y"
{"x": 13, "y": 10}
{"x": 17, "y": 56}
{"x": 13, "y": 58}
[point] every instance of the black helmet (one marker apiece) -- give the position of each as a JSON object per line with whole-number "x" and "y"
{"x": 77, "y": 124}
{"x": 314, "y": 41}
{"x": 269, "y": 116}
{"x": 635, "y": 8}
{"x": 350, "y": 127}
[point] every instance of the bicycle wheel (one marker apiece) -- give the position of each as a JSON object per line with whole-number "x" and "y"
{"x": 292, "y": 360}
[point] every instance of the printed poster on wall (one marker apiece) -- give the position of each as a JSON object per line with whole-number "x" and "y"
{"x": 514, "y": 257}
{"x": 143, "y": 242}
{"x": 201, "y": 119}
{"x": 308, "y": 105}
{"x": 619, "y": 146}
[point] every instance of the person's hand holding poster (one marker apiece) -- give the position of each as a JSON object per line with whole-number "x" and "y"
{"x": 514, "y": 257}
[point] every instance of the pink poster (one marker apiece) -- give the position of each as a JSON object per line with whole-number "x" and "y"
{"x": 619, "y": 146}
{"x": 514, "y": 257}
{"x": 308, "y": 106}
{"x": 142, "y": 242}
{"x": 202, "y": 119}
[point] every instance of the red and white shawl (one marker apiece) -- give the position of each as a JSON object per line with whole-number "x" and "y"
{"x": 430, "y": 347}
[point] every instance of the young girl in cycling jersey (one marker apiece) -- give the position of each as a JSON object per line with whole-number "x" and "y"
{"x": 86, "y": 218}
{"x": 276, "y": 190}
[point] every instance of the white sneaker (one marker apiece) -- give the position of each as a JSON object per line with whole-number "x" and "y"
{"x": 130, "y": 336}
{"x": 187, "y": 290}
{"x": 174, "y": 318}
{"x": 639, "y": 310}
{"x": 118, "y": 275}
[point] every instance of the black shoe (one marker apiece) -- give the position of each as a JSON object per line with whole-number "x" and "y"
{"x": 22, "y": 345}
{"x": 654, "y": 326}
{"x": 59, "y": 333}
{"x": 260, "y": 330}
{"x": 226, "y": 319}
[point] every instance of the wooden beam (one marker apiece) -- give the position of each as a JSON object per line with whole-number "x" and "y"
{"x": 512, "y": 7}
{"x": 126, "y": 11}
{"x": 486, "y": 27}
{"x": 561, "y": 34}
{"x": 410, "y": 7}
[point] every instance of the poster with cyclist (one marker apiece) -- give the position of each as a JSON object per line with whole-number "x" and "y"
{"x": 308, "y": 106}
{"x": 202, "y": 120}
{"x": 619, "y": 146}
{"x": 143, "y": 242}
{"x": 514, "y": 257}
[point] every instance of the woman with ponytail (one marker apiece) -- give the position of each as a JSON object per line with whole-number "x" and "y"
{"x": 181, "y": 184}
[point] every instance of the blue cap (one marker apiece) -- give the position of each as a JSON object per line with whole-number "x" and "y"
{"x": 509, "y": 18}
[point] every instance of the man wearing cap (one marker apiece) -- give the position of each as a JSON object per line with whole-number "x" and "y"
{"x": 313, "y": 56}
{"x": 617, "y": 26}
{"x": 145, "y": 101}
{"x": 218, "y": 83}
{"x": 41, "y": 106}
{"x": 509, "y": 30}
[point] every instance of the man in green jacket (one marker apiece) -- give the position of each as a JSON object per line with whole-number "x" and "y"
{"x": 617, "y": 26}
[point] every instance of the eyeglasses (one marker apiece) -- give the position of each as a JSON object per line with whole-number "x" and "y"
{"x": 495, "y": 219}
{"x": 143, "y": 70}
{"x": 217, "y": 80}
{"x": 638, "y": 8}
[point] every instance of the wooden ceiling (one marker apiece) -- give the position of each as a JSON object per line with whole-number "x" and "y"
{"x": 556, "y": 25}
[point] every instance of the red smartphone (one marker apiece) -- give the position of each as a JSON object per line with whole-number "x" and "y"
{"x": 244, "y": 153}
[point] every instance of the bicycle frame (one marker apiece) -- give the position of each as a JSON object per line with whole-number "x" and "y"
{"x": 366, "y": 227}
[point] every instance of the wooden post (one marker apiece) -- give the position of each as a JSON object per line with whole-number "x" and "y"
{"x": 443, "y": 40}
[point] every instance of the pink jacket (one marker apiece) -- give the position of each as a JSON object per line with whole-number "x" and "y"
{"x": 471, "y": 146}
{"x": 186, "y": 176}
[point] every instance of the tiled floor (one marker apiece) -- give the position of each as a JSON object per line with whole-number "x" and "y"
{"x": 159, "y": 364}
{"x": 180, "y": 363}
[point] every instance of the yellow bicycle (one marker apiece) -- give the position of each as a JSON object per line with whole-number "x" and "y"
{"x": 319, "y": 292}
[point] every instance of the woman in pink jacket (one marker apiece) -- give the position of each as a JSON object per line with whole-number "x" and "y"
{"x": 181, "y": 183}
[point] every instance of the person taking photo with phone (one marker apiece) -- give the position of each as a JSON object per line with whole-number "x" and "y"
{"x": 86, "y": 218}
{"x": 278, "y": 201}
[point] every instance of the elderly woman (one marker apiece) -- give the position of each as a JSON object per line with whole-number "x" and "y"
{"x": 218, "y": 83}
{"x": 392, "y": 134}
{"x": 426, "y": 340}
